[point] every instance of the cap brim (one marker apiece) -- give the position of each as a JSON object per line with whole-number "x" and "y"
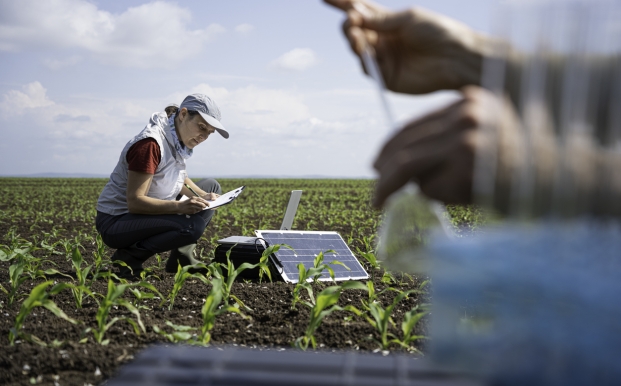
{"x": 215, "y": 123}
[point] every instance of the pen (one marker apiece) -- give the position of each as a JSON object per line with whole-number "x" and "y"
{"x": 192, "y": 190}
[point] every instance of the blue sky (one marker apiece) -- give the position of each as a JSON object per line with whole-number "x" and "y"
{"x": 80, "y": 78}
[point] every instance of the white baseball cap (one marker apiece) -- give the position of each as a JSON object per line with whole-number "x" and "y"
{"x": 207, "y": 108}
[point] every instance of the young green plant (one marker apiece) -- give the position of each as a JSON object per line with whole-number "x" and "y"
{"x": 179, "y": 334}
{"x": 324, "y": 306}
{"x": 319, "y": 266}
{"x": 24, "y": 267}
{"x": 100, "y": 256}
{"x": 381, "y": 318}
{"x": 263, "y": 265}
{"x": 212, "y": 309}
{"x": 16, "y": 278}
{"x": 231, "y": 275}
{"x": 410, "y": 320}
{"x": 314, "y": 273}
{"x": 38, "y": 297}
{"x": 80, "y": 289}
{"x": 113, "y": 299}
{"x": 143, "y": 295}
{"x": 183, "y": 274}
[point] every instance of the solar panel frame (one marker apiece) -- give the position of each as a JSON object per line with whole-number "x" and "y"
{"x": 286, "y": 261}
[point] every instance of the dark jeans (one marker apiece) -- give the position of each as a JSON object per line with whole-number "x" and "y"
{"x": 156, "y": 233}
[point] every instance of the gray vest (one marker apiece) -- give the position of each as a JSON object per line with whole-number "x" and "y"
{"x": 167, "y": 180}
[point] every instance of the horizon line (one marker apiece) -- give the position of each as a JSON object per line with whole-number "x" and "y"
{"x": 232, "y": 176}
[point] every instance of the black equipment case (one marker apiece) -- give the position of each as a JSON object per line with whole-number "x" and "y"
{"x": 243, "y": 250}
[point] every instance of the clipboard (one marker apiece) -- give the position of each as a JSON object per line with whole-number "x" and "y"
{"x": 224, "y": 199}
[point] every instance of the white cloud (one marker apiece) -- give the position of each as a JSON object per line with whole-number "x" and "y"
{"x": 273, "y": 131}
{"x": 145, "y": 36}
{"x": 298, "y": 59}
{"x": 55, "y": 64}
{"x": 254, "y": 109}
{"x": 99, "y": 120}
{"x": 244, "y": 28}
{"x": 33, "y": 95}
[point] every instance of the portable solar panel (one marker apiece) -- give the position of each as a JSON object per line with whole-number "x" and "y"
{"x": 306, "y": 246}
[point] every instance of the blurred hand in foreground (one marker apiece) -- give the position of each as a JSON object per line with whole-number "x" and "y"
{"x": 417, "y": 51}
{"x": 438, "y": 151}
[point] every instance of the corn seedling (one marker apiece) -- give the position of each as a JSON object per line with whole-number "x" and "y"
{"x": 402, "y": 278}
{"x": 368, "y": 242}
{"x": 410, "y": 319}
{"x": 371, "y": 259}
{"x": 142, "y": 296}
{"x": 160, "y": 262}
{"x": 314, "y": 273}
{"x": 31, "y": 265}
{"x": 179, "y": 334}
{"x": 16, "y": 241}
{"x": 388, "y": 278}
{"x": 25, "y": 266}
{"x": 319, "y": 266}
{"x": 81, "y": 289}
{"x": 20, "y": 252}
{"x": 381, "y": 318}
{"x": 149, "y": 272}
{"x": 231, "y": 275}
{"x": 264, "y": 261}
{"x": 44, "y": 243}
{"x": 113, "y": 298}
{"x": 212, "y": 309}
{"x": 4, "y": 253}
{"x": 67, "y": 245}
{"x": 38, "y": 297}
{"x": 15, "y": 279}
{"x": 180, "y": 277}
{"x": 371, "y": 296}
{"x": 300, "y": 285}
{"x": 325, "y": 305}
{"x": 99, "y": 255}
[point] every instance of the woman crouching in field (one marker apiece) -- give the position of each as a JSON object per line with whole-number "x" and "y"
{"x": 137, "y": 211}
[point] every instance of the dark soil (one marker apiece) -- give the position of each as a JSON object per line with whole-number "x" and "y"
{"x": 271, "y": 323}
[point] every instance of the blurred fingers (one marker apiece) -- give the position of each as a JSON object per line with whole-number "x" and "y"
{"x": 353, "y": 33}
{"x": 386, "y": 21}
{"x": 442, "y": 166}
{"x": 452, "y": 181}
{"x": 388, "y": 183}
{"x": 427, "y": 131}
{"x": 407, "y": 163}
{"x": 361, "y": 5}
{"x": 344, "y": 5}
{"x": 199, "y": 203}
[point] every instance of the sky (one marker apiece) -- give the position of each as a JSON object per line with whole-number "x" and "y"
{"x": 80, "y": 78}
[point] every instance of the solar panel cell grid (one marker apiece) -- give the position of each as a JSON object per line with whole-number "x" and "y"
{"x": 307, "y": 245}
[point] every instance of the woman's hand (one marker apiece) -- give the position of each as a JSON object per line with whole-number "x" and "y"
{"x": 210, "y": 196}
{"x": 417, "y": 51}
{"x": 192, "y": 205}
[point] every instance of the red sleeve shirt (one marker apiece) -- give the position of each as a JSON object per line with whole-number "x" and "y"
{"x": 144, "y": 156}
